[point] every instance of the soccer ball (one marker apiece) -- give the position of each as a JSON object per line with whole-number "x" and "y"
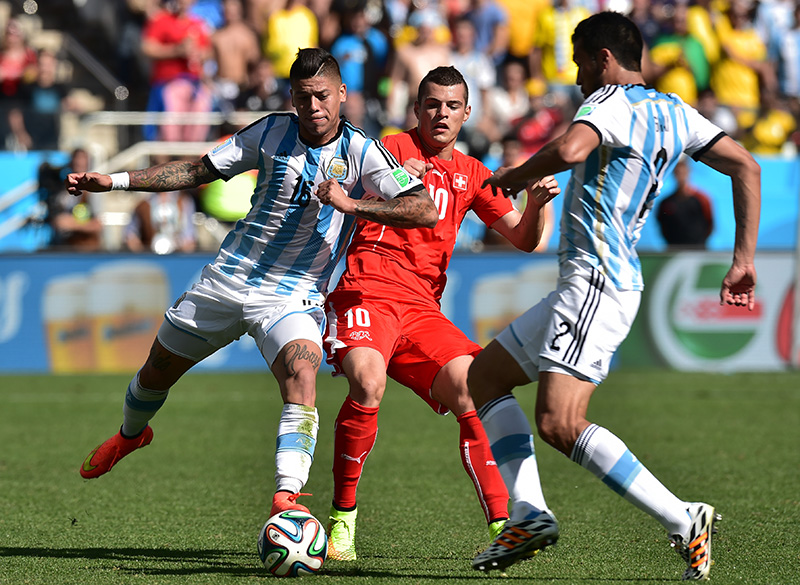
{"x": 292, "y": 543}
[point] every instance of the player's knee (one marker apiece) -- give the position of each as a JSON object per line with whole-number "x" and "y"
{"x": 300, "y": 386}
{"x": 556, "y": 432}
{"x": 367, "y": 391}
{"x": 305, "y": 377}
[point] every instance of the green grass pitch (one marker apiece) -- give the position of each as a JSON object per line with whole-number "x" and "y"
{"x": 187, "y": 509}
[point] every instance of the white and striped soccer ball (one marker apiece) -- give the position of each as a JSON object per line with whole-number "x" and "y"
{"x": 292, "y": 543}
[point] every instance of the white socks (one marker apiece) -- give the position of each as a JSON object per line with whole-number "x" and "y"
{"x": 607, "y": 457}
{"x": 511, "y": 438}
{"x": 297, "y": 439}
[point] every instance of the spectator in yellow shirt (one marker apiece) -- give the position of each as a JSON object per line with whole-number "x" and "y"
{"x": 743, "y": 65}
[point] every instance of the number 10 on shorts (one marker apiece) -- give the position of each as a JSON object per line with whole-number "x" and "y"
{"x": 357, "y": 317}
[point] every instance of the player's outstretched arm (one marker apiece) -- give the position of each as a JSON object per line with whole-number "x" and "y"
{"x": 77, "y": 183}
{"x": 560, "y": 154}
{"x": 524, "y": 230}
{"x": 730, "y": 158}
{"x": 171, "y": 176}
{"x": 410, "y": 210}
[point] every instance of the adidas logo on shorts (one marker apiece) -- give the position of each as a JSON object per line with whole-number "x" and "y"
{"x": 598, "y": 364}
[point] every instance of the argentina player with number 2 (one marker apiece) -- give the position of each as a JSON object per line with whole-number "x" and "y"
{"x": 270, "y": 277}
{"x": 624, "y": 139}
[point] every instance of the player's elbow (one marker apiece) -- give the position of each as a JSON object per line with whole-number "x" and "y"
{"x": 523, "y": 242}
{"x": 427, "y": 214}
{"x": 752, "y": 168}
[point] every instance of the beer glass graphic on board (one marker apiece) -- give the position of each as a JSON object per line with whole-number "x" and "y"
{"x": 68, "y": 325}
{"x": 498, "y": 299}
{"x": 127, "y": 301}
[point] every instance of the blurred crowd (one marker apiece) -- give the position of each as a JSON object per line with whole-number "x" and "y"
{"x": 737, "y": 61}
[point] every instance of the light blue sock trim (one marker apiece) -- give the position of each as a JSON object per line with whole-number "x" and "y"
{"x": 513, "y": 447}
{"x": 623, "y": 473}
{"x": 296, "y": 442}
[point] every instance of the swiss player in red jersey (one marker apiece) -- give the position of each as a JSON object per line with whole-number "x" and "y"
{"x": 384, "y": 315}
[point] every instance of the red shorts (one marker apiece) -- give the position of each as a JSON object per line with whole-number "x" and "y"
{"x": 415, "y": 340}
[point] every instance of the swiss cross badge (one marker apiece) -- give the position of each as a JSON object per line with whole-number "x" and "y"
{"x": 460, "y": 182}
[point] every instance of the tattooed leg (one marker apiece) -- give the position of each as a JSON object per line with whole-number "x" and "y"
{"x": 149, "y": 388}
{"x": 296, "y": 370}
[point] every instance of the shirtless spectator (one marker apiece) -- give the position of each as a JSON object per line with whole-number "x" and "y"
{"x": 236, "y": 50}
{"x": 413, "y": 61}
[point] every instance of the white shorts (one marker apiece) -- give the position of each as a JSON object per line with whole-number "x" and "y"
{"x": 216, "y": 312}
{"x": 576, "y": 329}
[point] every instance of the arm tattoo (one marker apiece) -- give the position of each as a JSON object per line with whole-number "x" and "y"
{"x": 295, "y": 352}
{"x": 407, "y": 211}
{"x": 171, "y": 176}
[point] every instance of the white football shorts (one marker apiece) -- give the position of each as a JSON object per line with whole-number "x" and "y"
{"x": 216, "y": 312}
{"x": 576, "y": 329}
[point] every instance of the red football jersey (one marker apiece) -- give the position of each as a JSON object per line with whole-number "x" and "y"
{"x": 411, "y": 262}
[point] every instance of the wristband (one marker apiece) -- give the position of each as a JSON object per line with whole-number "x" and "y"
{"x": 120, "y": 181}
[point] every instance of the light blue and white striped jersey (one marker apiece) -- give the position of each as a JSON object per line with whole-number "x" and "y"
{"x": 289, "y": 242}
{"x": 609, "y": 196}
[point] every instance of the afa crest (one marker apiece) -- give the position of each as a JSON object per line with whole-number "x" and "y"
{"x": 337, "y": 169}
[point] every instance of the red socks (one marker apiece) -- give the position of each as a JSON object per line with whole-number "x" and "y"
{"x": 355, "y": 433}
{"x": 479, "y": 463}
{"x": 354, "y": 436}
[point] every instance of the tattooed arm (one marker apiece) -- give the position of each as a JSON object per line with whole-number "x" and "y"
{"x": 171, "y": 176}
{"x": 412, "y": 209}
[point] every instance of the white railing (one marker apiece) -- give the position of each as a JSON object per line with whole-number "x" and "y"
{"x": 136, "y": 156}
{"x": 107, "y": 118}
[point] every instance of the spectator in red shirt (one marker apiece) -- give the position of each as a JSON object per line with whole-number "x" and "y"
{"x": 17, "y": 60}
{"x": 178, "y": 44}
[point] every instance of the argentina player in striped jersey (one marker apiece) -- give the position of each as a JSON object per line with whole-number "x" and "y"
{"x": 317, "y": 173}
{"x": 624, "y": 139}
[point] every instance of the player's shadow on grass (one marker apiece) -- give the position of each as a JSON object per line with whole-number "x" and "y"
{"x": 154, "y": 561}
{"x": 398, "y": 569}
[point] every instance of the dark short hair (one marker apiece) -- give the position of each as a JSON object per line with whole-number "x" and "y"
{"x": 615, "y": 32}
{"x": 314, "y": 62}
{"x": 444, "y": 76}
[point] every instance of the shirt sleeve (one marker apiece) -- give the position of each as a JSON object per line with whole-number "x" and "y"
{"x": 382, "y": 175}
{"x": 488, "y": 206}
{"x": 704, "y": 133}
{"x": 608, "y": 113}
{"x": 237, "y": 154}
